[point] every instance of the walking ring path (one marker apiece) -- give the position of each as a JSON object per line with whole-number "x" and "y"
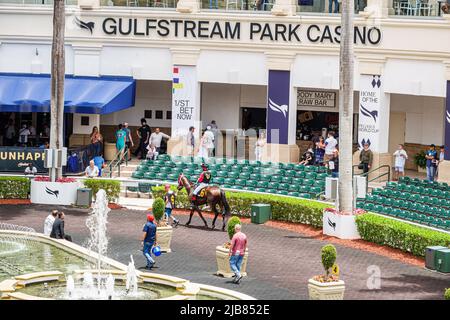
{"x": 280, "y": 260}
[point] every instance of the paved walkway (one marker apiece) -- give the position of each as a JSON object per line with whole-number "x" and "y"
{"x": 280, "y": 262}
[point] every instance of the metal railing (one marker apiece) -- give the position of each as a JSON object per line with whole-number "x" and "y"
{"x": 117, "y": 161}
{"x": 388, "y": 173}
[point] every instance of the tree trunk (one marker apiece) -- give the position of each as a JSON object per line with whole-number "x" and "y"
{"x": 345, "y": 192}
{"x": 57, "y": 82}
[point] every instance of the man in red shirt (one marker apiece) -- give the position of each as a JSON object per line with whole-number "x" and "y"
{"x": 237, "y": 252}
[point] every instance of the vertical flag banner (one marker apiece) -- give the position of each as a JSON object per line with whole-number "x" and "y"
{"x": 369, "y": 111}
{"x": 185, "y": 102}
{"x": 447, "y": 123}
{"x": 278, "y": 107}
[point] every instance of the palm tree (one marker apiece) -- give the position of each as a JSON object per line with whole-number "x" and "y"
{"x": 57, "y": 83}
{"x": 345, "y": 188}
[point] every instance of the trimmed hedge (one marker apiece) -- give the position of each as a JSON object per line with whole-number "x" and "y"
{"x": 111, "y": 187}
{"x": 399, "y": 235}
{"x": 283, "y": 208}
{"x": 14, "y": 187}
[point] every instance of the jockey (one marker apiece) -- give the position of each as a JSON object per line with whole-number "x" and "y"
{"x": 203, "y": 180}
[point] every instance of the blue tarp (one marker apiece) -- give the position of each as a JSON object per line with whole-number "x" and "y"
{"x": 92, "y": 95}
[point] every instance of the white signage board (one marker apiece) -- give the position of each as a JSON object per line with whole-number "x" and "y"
{"x": 185, "y": 99}
{"x": 369, "y": 111}
{"x": 314, "y": 98}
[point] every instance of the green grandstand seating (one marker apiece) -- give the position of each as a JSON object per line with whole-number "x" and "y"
{"x": 247, "y": 169}
{"x": 244, "y": 175}
{"x": 369, "y": 206}
{"x": 297, "y": 181}
{"x": 150, "y": 175}
{"x": 255, "y": 176}
{"x": 161, "y": 176}
{"x": 255, "y": 163}
{"x": 218, "y": 180}
{"x": 228, "y": 181}
{"x": 275, "y": 178}
{"x": 283, "y": 192}
{"x": 286, "y": 179}
{"x": 240, "y": 182}
{"x": 300, "y": 174}
{"x": 311, "y": 175}
{"x": 172, "y": 177}
{"x": 137, "y": 175}
{"x": 252, "y": 183}
{"x": 236, "y": 168}
{"x": 305, "y": 195}
{"x": 293, "y": 194}
{"x": 273, "y": 185}
{"x": 299, "y": 167}
{"x": 222, "y": 174}
{"x": 319, "y": 183}
{"x": 294, "y": 187}
{"x": 233, "y": 174}
{"x": 225, "y": 167}
{"x": 243, "y": 162}
{"x": 283, "y": 186}
{"x": 231, "y": 161}
{"x": 290, "y": 173}
{"x": 308, "y": 182}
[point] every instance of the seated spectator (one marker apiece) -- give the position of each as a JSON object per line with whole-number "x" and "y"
{"x": 91, "y": 170}
{"x": 30, "y": 170}
{"x": 308, "y": 158}
{"x": 58, "y": 228}
{"x": 152, "y": 152}
{"x": 45, "y": 145}
{"x": 99, "y": 163}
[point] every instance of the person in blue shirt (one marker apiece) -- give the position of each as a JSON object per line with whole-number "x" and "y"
{"x": 149, "y": 240}
{"x": 431, "y": 156}
{"x": 99, "y": 162}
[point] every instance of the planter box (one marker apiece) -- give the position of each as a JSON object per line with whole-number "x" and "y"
{"x": 164, "y": 237}
{"x": 326, "y": 290}
{"x": 340, "y": 226}
{"x": 223, "y": 263}
{"x": 54, "y": 192}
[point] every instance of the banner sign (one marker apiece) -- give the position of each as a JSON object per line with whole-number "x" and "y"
{"x": 309, "y": 98}
{"x": 369, "y": 110}
{"x": 447, "y": 123}
{"x": 185, "y": 102}
{"x": 16, "y": 159}
{"x": 278, "y": 107}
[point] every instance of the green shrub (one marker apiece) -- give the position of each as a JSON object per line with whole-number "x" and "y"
{"x": 420, "y": 160}
{"x": 447, "y": 294}
{"x": 111, "y": 187}
{"x": 328, "y": 257}
{"x": 14, "y": 187}
{"x": 158, "y": 209}
{"x": 231, "y": 224}
{"x": 283, "y": 208}
{"x": 399, "y": 235}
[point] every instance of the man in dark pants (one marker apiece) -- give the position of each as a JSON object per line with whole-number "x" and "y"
{"x": 149, "y": 240}
{"x": 366, "y": 158}
{"x": 58, "y": 228}
{"x": 144, "y": 136}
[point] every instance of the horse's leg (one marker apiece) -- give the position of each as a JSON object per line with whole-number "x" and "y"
{"x": 201, "y": 216}
{"x": 190, "y": 216}
{"x": 216, "y": 213}
{"x": 225, "y": 220}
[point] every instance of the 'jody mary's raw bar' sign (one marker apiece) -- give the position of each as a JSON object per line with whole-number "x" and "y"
{"x": 14, "y": 159}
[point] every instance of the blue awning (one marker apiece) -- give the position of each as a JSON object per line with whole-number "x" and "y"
{"x": 92, "y": 95}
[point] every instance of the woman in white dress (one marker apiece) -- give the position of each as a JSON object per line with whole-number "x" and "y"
{"x": 205, "y": 143}
{"x": 259, "y": 146}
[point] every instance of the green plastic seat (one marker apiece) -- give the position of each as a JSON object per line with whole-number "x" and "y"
{"x": 227, "y": 186}
{"x": 425, "y": 199}
{"x": 251, "y": 183}
{"x": 299, "y": 167}
{"x": 260, "y": 189}
{"x": 218, "y": 180}
{"x": 225, "y": 167}
{"x": 283, "y": 186}
{"x": 275, "y": 178}
{"x": 255, "y": 176}
{"x": 263, "y": 184}
{"x": 290, "y": 173}
{"x": 311, "y": 175}
{"x": 377, "y": 191}
{"x": 236, "y": 168}
{"x": 231, "y": 161}
{"x": 300, "y": 174}
{"x": 233, "y": 174}
{"x": 161, "y": 176}
{"x": 137, "y": 175}
{"x": 283, "y": 192}
{"x": 308, "y": 182}
{"x": 274, "y": 191}
{"x": 244, "y": 175}
{"x": 249, "y": 188}
{"x": 297, "y": 181}
{"x": 315, "y": 190}
{"x": 311, "y": 168}
{"x": 319, "y": 183}
{"x": 228, "y": 181}
{"x": 223, "y": 174}
{"x": 305, "y": 195}
{"x": 165, "y": 170}
{"x": 294, "y": 194}
{"x": 294, "y": 187}
{"x": 289, "y": 166}
{"x": 172, "y": 177}
{"x": 378, "y": 208}
{"x": 409, "y": 188}
{"x": 150, "y": 175}
{"x": 247, "y": 169}
{"x": 391, "y": 185}
{"x": 388, "y": 210}
{"x": 321, "y": 176}
{"x": 370, "y": 197}
{"x": 240, "y": 182}
{"x": 273, "y": 185}
{"x": 286, "y": 179}
{"x": 255, "y": 163}
{"x": 369, "y": 206}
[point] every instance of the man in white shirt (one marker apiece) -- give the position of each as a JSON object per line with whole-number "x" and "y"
{"x": 23, "y": 135}
{"x": 156, "y": 138}
{"x": 330, "y": 145}
{"x": 209, "y": 140}
{"x": 400, "y": 157}
{"x": 91, "y": 170}
{"x": 48, "y": 223}
{"x": 30, "y": 169}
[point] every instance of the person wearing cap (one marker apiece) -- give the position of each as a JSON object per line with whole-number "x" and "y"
{"x": 149, "y": 240}
{"x": 431, "y": 156}
{"x": 169, "y": 199}
{"x": 366, "y": 158}
{"x": 203, "y": 181}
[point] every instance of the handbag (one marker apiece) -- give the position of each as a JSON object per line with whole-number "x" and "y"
{"x": 361, "y": 166}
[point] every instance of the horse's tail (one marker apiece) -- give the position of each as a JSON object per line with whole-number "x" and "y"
{"x": 226, "y": 206}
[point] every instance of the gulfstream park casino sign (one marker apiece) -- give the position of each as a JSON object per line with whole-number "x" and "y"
{"x": 225, "y": 30}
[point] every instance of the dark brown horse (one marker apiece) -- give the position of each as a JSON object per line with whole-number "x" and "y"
{"x": 211, "y": 195}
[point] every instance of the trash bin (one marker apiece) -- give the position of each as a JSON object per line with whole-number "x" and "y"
{"x": 430, "y": 256}
{"x": 260, "y": 213}
{"x": 84, "y": 197}
{"x": 442, "y": 260}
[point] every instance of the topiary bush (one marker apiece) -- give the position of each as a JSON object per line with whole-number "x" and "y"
{"x": 447, "y": 294}
{"x": 14, "y": 188}
{"x": 231, "y": 224}
{"x": 328, "y": 257}
{"x": 158, "y": 209}
{"x": 111, "y": 187}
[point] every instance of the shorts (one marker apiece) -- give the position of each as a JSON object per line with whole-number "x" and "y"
{"x": 399, "y": 169}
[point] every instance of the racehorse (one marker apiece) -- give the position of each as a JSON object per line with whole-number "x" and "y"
{"x": 211, "y": 195}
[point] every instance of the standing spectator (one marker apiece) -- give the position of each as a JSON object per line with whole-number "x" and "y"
{"x": 30, "y": 169}
{"x": 91, "y": 170}
{"x": 149, "y": 240}
{"x": 215, "y": 131}
{"x": 58, "y": 228}
{"x": 366, "y": 158}
{"x": 10, "y": 133}
{"x": 170, "y": 199}
{"x": 156, "y": 138}
{"x": 203, "y": 147}
{"x": 96, "y": 142}
{"x": 209, "y": 135}
{"x": 144, "y": 136}
{"x": 237, "y": 252}
{"x": 333, "y": 164}
{"x": 260, "y": 142}
{"x": 128, "y": 140}
{"x": 46, "y": 131}
{"x": 190, "y": 141}
{"x": 400, "y": 157}
{"x": 330, "y": 145}
{"x": 152, "y": 154}
{"x": 48, "y": 223}
{"x": 319, "y": 151}
{"x": 32, "y": 129}
{"x": 23, "y": 135}
{"x": 120, "y": 141}
{"x": 330, "y": 6}
{"x": 431, "y": 156}
{"x": 441, "y": 159}
{"x": 99, "y": 162}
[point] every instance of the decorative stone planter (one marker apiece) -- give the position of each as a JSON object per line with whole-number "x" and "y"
{"x": 340, "y": 226}
{"x": 164, "y": 238}
{"x": 223, "y": 263}
{"x": 326, "y": 290}
{"x": 60, "y": 193}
